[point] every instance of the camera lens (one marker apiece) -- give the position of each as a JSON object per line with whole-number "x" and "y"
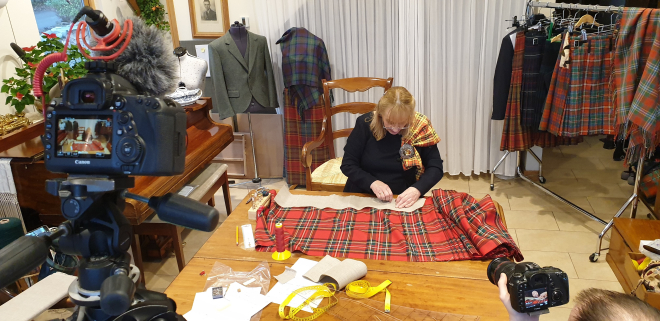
{"x": 88, "y": 97}
{"x": 497, "y": 267}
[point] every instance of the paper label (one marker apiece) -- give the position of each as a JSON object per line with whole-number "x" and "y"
{"x": 248, "y": 236}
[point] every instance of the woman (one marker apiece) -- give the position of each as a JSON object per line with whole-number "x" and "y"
{"x": 392, "y": 150}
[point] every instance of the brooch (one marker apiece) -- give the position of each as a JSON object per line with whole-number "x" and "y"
{"x": 406, "y": 151}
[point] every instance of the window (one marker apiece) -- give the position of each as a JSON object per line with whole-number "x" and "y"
{"x": 55, "y": 16}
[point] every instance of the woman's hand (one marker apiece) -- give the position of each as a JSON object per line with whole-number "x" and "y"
{"x": 505, "y": 297}
{"x": 382, "y": 191}
{"x": 408, "y": 198}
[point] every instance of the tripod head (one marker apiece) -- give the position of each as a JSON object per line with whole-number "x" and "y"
{"x": 98, "y": 231}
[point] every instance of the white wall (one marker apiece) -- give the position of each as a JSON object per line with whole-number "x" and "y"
{"x": 112, "y": 8}
{"x": 237, "y": 9}
{"x": 18, "y": 27}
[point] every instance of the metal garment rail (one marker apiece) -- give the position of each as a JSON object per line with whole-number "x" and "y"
{"x": 554, "y": 5}
{"x": 633, "y": 198}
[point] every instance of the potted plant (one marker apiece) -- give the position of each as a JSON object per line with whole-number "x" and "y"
{"x": 19, "y": 88}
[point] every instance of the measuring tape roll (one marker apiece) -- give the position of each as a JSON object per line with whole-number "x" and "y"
{"x": 364, "y": 290}
{"x": 326, "y": 291}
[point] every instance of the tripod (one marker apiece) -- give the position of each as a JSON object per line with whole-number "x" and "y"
{"x": 98, "y": 231}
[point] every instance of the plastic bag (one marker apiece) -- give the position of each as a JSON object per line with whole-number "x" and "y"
{"x": 223, "y": 275}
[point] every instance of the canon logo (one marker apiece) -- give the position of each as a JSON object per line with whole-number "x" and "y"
{"x": 83, "y": 162}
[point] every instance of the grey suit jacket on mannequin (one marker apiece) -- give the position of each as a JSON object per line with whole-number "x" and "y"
{"x": 236, "y": 80}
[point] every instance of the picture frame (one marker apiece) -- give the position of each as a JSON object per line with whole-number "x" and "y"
{"x": 209, "y": 18}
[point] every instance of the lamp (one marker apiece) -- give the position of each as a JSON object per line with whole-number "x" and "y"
{"x": 3, "y": 3}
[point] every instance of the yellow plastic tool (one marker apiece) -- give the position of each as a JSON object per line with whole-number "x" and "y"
{"x": 326, "y": 291}
{"x": 364, "y": 290}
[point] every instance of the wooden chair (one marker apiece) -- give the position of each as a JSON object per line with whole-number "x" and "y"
{"x": 328, "y": 176}
{"x": 208, "y": 182}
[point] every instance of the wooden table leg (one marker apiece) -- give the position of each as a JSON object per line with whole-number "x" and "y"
{"x": 177, "y": 244}
{"x": 137, "y": 257}
{"x": 225, "y": 191}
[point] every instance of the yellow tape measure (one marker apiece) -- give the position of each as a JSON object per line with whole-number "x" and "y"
{"x": 364, "y": 290}
{"x": 326, "y": 291}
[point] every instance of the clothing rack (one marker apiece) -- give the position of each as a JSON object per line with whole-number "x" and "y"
{"x": 519, "y": 171}
{"x": 553, "y": 5}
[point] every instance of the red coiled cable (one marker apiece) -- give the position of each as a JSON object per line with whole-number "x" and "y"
{"x": 37, "y": 81}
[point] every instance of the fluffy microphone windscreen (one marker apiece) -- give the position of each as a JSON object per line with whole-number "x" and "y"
{"x": 148, "y": 62}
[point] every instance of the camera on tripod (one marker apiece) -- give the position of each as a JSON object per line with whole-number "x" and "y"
{"x": 102, "y": 125}
{"x": 532, "y": 288}
{"x": 99, "y": 132}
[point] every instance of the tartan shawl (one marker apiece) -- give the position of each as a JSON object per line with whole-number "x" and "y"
{"x": 305, "y": 64}
{"x": 451, "y": 226}
{"x": 422, "y": 135}
{"x": 636, "y": 80}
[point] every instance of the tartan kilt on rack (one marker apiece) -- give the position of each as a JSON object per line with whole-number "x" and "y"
{"x": 514, "y": 138}
{"x": 297, "y": 133}
{"x": 579, "y": 101}
{"x": 533, "y": 94}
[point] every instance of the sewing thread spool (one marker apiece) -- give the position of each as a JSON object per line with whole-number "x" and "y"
{"x": 11, "y": 229}
{"x": 281, "y": 253}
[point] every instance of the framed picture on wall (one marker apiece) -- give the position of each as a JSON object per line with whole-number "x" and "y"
{"x": 209, "y": 18}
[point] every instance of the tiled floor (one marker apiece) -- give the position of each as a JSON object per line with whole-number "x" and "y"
{"x": 547, "y": 231}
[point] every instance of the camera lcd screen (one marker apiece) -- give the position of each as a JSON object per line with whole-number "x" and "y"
{"x": 536, "y": 298}
{"x": 84, "y": 137}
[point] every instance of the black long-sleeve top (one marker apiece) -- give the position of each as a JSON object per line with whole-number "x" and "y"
{"x": 367, "y": 160}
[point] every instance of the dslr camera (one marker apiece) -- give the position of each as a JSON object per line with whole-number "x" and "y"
{"x": 102, "y": 125}
{"x": 532, "y": 288}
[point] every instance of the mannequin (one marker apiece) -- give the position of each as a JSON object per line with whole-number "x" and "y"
{"x": 192, "y": 70}
{"x": 239, "y": 34}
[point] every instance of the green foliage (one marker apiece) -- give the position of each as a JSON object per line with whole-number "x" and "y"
{"x": 153, "y": 13}
{"x": 39, "y": 4}
{"x": 66, "y": 10}
{"x": 19, "y": 88}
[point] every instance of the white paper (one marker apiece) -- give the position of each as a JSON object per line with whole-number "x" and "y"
{"x": 287, "y": 275}
{"x": 654, "y": 244}
{"x": 240, "y": 304}
{"x": 284, "y": 198}
{"x": 203, "y": 53}
{"x": 38, "y": 298}
{"x": 248, "y": 236}
{"x": 246, "y": 301}
{"x": 186, "y": 190}
{"x": 280, "y": 291}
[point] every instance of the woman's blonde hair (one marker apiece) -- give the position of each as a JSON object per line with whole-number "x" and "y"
{"x": 397, "y": 106}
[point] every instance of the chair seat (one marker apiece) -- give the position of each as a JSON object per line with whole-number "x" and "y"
{"x": 329, "y": 173}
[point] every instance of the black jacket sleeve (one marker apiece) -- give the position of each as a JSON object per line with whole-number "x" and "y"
{"x": 353, "y": 150}
{"x": 502, "y": 78}
{"x": 432, "y": 168}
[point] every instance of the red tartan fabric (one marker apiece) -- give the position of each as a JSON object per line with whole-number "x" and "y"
{"x": 298, "y": 132}
{"x": 451, "y": 226}
{"x": 514, "y": 138}
{"x": 636, "y": 81}
{"x": 557, "y": 97}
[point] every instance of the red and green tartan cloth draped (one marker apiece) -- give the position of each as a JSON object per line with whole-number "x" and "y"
{"x": 297, "y": 132}
{"x": 423, "y": 135}
{"x": 649, "y": 183}
{"x": 451, "y": 226}
{"x": 516, "y": 137}
{"x": 636, "y": 80}
{"x": 579, "y": 99}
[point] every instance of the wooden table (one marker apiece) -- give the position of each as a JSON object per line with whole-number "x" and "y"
{"x": 452, "y": 287}
{"x": 626, "y": 235}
